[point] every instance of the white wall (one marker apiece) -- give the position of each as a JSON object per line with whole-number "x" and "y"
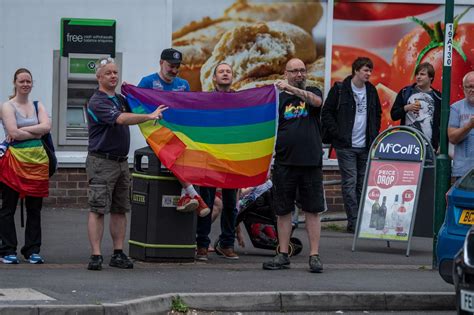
{"x": 30, "y": 31}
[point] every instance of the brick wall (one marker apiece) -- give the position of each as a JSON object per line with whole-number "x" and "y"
{"x": 68, "y": 189}
{"x": 333, "y": 192}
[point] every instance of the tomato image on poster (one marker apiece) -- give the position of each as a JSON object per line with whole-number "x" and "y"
{"x": 398, "y": 37}
{"x": 390, "y": 199}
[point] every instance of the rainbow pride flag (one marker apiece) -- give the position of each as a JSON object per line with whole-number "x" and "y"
{"x": 25, "y": 168}
{"x": 211, "y": 139}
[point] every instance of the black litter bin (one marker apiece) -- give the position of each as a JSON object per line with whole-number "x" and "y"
{"x": 157, "y": 231}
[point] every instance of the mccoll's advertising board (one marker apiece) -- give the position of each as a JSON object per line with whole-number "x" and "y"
{"x": 392, "y": 185}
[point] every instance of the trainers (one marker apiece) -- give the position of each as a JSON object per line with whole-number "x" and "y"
{"x": 187, "y": 204}
{"x": 226, "y": 252}
{"x": 35, "y": 259}
{"x": 202, "y": 210}
{"x": 315, "y": 264}
{"x": 280, "y": 261}
{"x": 95, "y": 262}
{"x": 10, "y": 259}
{"x": 121, "y": 261}
{"x": 201, "y": 254}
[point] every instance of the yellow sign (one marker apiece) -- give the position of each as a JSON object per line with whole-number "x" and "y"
{"x": 138, "y": 198}
{"x": 467, "y": 217}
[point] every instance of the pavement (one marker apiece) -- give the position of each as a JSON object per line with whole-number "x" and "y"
{"x": 372, "y": 278}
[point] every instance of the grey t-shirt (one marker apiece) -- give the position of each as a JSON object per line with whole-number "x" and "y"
{"x": 22, "y": 121}
{"x": 459, "y": 115}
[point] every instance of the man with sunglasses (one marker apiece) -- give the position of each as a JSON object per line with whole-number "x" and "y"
{"x": 461, "y": 128}
{"x": 107, "y": 163}
{"x": 298, "y": 163}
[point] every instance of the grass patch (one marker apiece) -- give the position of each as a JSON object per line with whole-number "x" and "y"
{"x": 178, "y": 305}
{"x": 333, "y": 227}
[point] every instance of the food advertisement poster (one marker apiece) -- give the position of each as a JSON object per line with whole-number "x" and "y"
{"x": 397, "y": 37}
{"x": 256, "y": 38}
{"x": 388, "y": 208}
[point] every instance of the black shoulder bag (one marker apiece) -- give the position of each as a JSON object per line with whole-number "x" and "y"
{"x": 48, "y": 145}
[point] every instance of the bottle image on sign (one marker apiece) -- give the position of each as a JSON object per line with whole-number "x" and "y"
{"x": 382, "y": 213}
{"x": 393, "y": 213}
{"x": 374, "y": 214}
{"x": 400, "y": 222}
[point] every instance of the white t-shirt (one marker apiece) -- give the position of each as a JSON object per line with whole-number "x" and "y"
{"x": 360, "y": 120}
{"x": 423, "y": 120}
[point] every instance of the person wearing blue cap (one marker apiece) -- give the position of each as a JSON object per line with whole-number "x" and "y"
{"x": 167, "y": 80}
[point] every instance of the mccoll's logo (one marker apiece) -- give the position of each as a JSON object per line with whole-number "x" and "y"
{"x": 399, "y": 146}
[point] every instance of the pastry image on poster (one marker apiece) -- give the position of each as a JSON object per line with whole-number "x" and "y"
{"x": 256, "y": 38}
{"x": 389, "y": 200}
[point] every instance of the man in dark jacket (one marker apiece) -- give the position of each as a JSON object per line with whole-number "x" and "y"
{"x": 351, "y": 116}
{"x": 419, "y": 105}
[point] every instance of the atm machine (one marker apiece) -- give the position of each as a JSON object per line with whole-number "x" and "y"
{"x": 83, "y": 42}
{"x": 74, "y": 83}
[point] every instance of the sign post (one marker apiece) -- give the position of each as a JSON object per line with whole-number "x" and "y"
{"x": 443, "y": 168}
{"x": 392, "y": 186}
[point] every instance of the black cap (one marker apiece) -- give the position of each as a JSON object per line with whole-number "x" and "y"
{"x": 172, "y": 56}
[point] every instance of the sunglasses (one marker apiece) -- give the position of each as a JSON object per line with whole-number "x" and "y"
{"x": 106, "y": 61}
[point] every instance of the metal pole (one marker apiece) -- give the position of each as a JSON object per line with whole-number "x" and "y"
{"x": 443, "y": 163}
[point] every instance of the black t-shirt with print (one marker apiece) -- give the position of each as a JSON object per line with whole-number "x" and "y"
{"x": 298, "y": 138}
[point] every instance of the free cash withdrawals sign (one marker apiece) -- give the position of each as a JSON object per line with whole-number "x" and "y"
{"x": 391, "y": 188}
{"x": 87, "y": 36}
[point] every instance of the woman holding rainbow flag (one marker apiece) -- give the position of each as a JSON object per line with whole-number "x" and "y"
{"x": 24, "y": 169}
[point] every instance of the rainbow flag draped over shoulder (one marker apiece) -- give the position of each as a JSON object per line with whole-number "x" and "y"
{"x": 211, "y": 139}
{"x": 25, "y": 168}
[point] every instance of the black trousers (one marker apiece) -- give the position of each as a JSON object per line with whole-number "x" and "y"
{"x": 8, "y": 240}
{"x": 228, "y": 217}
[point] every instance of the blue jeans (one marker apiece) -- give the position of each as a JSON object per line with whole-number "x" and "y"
{"x": 228, "y": 217}
{"x": 352, "y": 165}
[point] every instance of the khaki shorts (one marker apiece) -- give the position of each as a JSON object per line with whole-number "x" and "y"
{"x": 109, "y": 185}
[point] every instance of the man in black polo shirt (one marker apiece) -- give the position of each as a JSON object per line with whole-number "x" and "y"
{"x": 107, "y": 163}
